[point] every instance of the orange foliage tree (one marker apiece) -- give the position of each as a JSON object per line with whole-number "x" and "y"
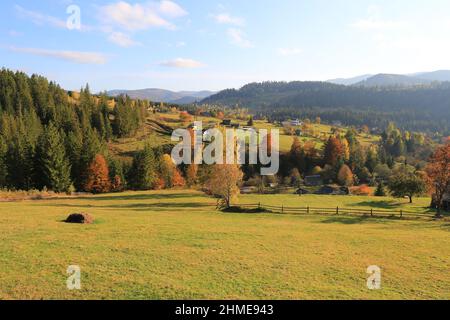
{"x": 98, "y": 176}
{"x": 345, "y": 176}
{"x": 185, "y": 117}
{"x": 438, "y": 172}
{"x": 191, "y": 175}
{"x": 333, "y": 151}
{"x": 170, "y": 173}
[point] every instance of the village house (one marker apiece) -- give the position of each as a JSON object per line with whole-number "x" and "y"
{"x": 313, "y": 181}
{"x": 446, "y": 202}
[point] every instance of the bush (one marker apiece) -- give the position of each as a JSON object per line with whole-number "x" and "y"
{"x": 363, "y": 190}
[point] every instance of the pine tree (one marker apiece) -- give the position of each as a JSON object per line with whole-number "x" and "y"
{"x": 3, "y": 164}
{"x": 144, "y": 169}
{"x": 53, "y": 163}
{"x": 380, "y": 191}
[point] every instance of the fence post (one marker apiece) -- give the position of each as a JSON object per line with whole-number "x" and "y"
{"x": 337, "y": 210}
{"x": 282, "y": 208}
{"x": 371, "y": 212}
{"x": 259, "y": 205}
{"x": 401, "y": 213}
{"x": 307, "y": 209}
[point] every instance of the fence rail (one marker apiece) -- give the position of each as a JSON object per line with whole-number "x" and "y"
{"x": 337, "y": 211}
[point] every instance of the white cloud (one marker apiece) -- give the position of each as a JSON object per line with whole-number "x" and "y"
{"x": 289, "y": 51}
{"x": 73, "y": 56}
{"x": 374, "y": 22}
{"x": 141, "y": 16}
{"x": 180, "y": 44}
{"x": 237, "y": 37}
{"x": 122, "y": 40}
{"x": 225, "y": 18}
{"x": 39, "y": 18}
{"x": 171, "y": 9}
{"x": 182, "y": 63}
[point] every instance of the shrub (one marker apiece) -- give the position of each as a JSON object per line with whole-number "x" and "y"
{"x": 363, "y": 190}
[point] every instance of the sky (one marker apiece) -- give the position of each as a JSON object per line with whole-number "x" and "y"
{"x": 213, "y": 45}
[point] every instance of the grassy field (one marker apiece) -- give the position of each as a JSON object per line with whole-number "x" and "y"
{"x": 125, "y": 146}
{"x": 174, "y": 245}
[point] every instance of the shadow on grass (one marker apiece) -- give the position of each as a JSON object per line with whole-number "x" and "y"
{"x": 121, "y": 197}
{"x": 377, "y": 204}
{"x": 160, "y": 206}
{"x": 349, "y": 220}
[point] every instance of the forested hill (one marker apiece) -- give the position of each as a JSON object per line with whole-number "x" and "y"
{"x": 49, "y": 137}
{"x": 425, "y": 108}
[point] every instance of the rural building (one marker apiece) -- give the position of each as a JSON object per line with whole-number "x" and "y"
{"x": 312, "y": 181}
{"x": 226, "y": 122}
{"x": 446, "y": 202}
{"x": 333, "y": 190}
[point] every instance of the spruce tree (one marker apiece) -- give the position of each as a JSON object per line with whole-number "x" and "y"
{"x": 380, "y": 191}
{"x": 144, "y": 169}
{"x": 54, "y": 164}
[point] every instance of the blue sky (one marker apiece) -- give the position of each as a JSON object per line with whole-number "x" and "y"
{"x": 209, "y": 45}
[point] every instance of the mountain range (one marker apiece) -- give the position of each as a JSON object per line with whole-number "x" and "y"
{"x": 161, "y": 95}
{"x": 399, "y": 80}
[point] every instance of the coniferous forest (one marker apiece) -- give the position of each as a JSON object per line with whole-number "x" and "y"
{"x": 49, "y": 139}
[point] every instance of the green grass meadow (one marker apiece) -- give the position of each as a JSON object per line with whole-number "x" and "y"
{"x": 174, "y": 245}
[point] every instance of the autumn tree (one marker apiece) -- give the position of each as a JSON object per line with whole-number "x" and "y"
{"x": 332, "y": 151}
{"x": 438, "y": 172}
{"x": 191, "y": 175}
{"x": 404, "y": 183}
{"x": 170, "y": 173}
{"x": 225, "y": 181}
{"x": 98, "y": 176}
{"x": 185, "y": 118}
{"x": 345, "y": 176}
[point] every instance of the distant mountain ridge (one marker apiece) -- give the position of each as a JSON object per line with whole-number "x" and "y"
{"x": 389, "y": 80}
{"x": 161, "y": 95}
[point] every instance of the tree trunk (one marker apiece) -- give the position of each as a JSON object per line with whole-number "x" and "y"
{"x": 410, "y": 199}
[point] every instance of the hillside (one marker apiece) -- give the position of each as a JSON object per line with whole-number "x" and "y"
{"x": 389, "y": 80}
{"x": 418, "y": 108}
{"x": 161, "y": 95}
{"x": 383, "y": 79}
{"x": 350, "y": 81}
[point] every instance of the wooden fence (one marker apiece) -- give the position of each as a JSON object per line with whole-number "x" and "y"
{"x": 338, "y": 211}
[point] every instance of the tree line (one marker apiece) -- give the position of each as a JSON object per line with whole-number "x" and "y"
{"x": 416, "y": 108}
{"x": 50, "y": 138}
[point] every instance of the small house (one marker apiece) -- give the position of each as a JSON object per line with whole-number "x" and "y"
{"x": 446, "y": 202}
{"x": 226, "y": 122}
{"x": 312, "y": 181}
